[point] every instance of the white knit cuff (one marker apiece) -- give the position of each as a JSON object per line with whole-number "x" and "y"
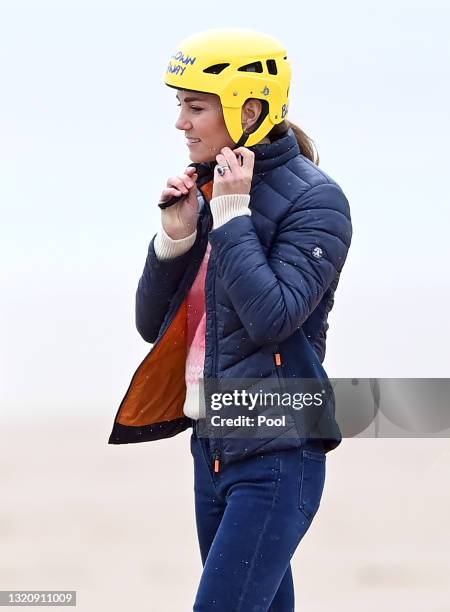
{"x": 227, "y": 207}
{"x": 168, "y": 248}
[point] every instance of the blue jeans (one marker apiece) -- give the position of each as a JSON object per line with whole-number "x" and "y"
{"x": 251, "y": 516}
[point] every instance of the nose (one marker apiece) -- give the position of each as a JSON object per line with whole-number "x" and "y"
{"x": 182, "y": 123}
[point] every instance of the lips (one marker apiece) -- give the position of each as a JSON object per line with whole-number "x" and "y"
{"x": 193, "y": 140}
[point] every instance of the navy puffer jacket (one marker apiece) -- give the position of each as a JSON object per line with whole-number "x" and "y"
{"x": 269, "y": 287}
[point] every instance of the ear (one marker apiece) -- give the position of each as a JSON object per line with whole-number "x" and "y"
{"x": 250, "y": 113}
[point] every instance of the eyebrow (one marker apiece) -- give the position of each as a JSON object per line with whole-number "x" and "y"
{"x": 191, "y": 99}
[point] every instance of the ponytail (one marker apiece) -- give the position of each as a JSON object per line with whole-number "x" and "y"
{"x": 306, "y": 144}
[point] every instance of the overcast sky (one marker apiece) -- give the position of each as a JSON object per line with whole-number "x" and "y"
{"x": 87, "y": 142}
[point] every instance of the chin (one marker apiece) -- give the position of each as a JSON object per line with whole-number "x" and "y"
{"x": 200, "y": 159}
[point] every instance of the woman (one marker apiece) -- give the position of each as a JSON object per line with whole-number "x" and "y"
{"x": 237, "y": 284}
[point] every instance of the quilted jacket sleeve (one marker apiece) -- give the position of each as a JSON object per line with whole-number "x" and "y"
{"x": 157, "y": 286}
{"x": 273, "y": 295}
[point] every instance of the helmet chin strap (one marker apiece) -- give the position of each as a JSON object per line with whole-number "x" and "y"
{"x": 242, "y": 140}
{"x": 245, "y": 135}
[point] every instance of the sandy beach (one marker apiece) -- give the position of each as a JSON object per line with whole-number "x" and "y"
{"x": 79, "y": 514}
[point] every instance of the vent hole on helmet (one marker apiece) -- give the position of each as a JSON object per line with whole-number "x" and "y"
{"x": 216, "y": 69}
{"x": 272, "y": 66}
{"x": 254, "y": 67}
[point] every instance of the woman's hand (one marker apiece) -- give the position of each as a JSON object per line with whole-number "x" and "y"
{"x": 238, "y": 178}
{"x": 180, "y": 220}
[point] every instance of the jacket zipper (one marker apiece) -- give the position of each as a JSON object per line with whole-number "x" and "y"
{"x": 212, "y": 266}
{"x": 279, "y": 368}
{"x": 217, "y": 457}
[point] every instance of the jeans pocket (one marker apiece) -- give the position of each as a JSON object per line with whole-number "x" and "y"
{"x": 312, "y": 482}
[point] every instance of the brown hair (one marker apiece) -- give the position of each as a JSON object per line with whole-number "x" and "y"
{"x": 306, "y": 144}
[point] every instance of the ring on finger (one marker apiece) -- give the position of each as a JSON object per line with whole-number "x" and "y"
{"x": 222, "y": 169}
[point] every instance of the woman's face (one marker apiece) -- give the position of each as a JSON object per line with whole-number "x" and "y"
{"x": 201, "y": 119}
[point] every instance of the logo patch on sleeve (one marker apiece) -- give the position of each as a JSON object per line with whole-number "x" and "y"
{"x": 317, "y": 252}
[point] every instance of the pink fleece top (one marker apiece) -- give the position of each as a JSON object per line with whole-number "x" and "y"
{"x": 196, "y": 330}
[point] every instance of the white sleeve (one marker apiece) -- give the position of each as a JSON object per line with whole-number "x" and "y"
{"x": 168, "y": 248}
{"x": 226, "y": 207}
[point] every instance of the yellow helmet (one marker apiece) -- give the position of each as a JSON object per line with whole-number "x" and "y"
{"x": 236, "y": 64}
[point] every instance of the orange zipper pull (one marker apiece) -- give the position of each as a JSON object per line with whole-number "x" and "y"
{"x": 216, "y": 462}
{"x": 278, "y": 359}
